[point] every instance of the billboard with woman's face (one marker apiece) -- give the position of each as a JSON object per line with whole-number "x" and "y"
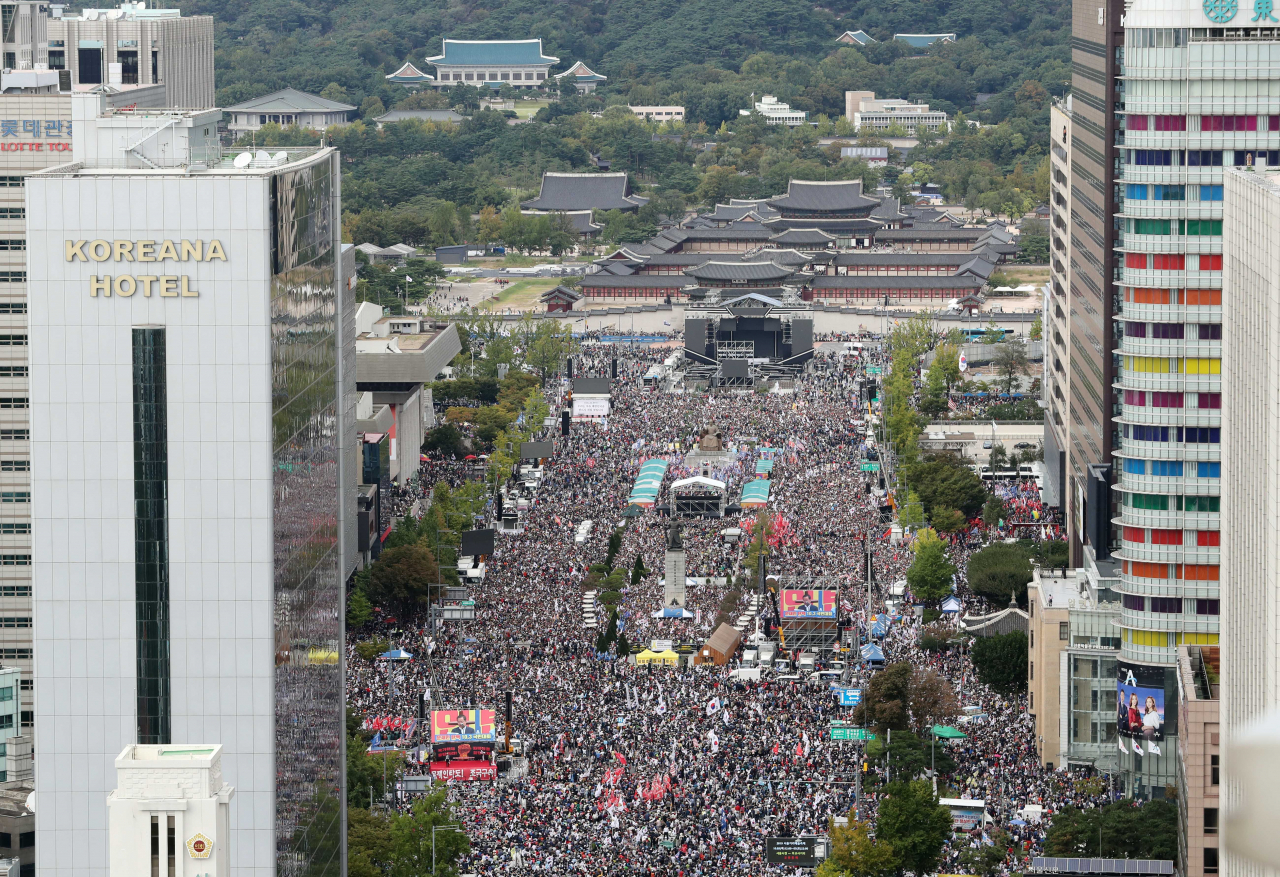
{"x": 1140, "y": 714}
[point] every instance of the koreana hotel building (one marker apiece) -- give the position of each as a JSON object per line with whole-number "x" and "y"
{"x": 190, "y": 533}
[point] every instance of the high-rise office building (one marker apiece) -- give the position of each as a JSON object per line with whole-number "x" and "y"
{"x": 1055, "y": 386}
{"x": 1097, "y": 139}
{"x": 192, "y": 446}
{"x": 44, "y": 123}
{"x": 1199, "y": 99}
{"x": 1250, "y": 464}
{"x": 166, "y": 58}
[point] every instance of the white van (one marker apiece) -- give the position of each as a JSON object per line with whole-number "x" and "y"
{"x": 749, "y": 658}
{"x": 766, "y": 652}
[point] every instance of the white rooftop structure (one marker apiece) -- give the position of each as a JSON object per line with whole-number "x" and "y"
{"x": 777, "y": 113}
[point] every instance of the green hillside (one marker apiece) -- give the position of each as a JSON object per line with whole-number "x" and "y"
{"x": 680, "y": 51}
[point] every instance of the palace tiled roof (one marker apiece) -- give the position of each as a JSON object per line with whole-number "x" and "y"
{"x": 582, "y": 73}
{"x": 861, "y": 37}
{"x": 737, "y": 231}
{"x": 863, "y": 259}
{"x": 492, "y": 53}
{"x": 560, "y": 293}
{"x": 422, "y": 115}
{"x": 924, "y": 40}
{"x": 826, "y": 196}
{"x": 637, "y": 281}
{"x": 289, "y": 100}
{"x": 977, "y": 266}
{"x": 408, "y": 75}
{"x": 898, "y": 281}
{"x": 562, "y": 192}
{"x": 710, "y": 273}
{"x": 930, "y": 234}
{"x": 829, "y": 224}
{"x": 735, "y": 212}
{"x": 890, "y": 210}
{"x": 799, "y": 237}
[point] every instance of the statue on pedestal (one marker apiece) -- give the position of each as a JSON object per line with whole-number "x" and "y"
{"x": 711, "y": 438}
{"x": 674, "y": 543}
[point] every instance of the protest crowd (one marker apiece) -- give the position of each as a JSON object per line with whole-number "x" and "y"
{"x": 682, "y": 771}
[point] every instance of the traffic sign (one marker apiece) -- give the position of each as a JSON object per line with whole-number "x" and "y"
{"x": 850, "y": 696}
{"x": 873, "y": 369}
{"x": 869, "y": 467}
{"x": 851, "y": 734}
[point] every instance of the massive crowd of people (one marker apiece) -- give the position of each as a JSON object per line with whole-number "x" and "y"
{"x": 685, "y": 770}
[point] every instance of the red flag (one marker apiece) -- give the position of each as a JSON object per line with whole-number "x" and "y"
{"x": 775, "y": 748}
{"x": 621, "y": 759}
{"x": 799, "y": 749}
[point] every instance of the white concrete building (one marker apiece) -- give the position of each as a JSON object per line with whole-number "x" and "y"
{"x": 169, "y": 812}
{"x": 777, "y": 113}
{"x": 864, "y": 111}
{"x": 162, "y": 56}
{"x": 193, "y": 522}
{"x": 1250, "y": 620}
{"x": 285, "y": 108}
{"x": 659, "y": 114}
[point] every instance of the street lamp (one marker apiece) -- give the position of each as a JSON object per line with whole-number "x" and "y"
{"x": 434, "y": 829}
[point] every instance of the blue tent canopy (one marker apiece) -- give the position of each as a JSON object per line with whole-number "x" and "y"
{"x": 879, "y": 628}
{"x": 396, "y": 655}
{"x": 951, "y": 604}
{"x": 872, "y": 654}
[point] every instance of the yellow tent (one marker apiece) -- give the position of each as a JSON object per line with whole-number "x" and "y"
{"x": 651, "y": 657}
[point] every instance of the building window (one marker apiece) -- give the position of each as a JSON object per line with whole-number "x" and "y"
{"x": 13, "y": 307}
{"x": 1062, "y": 631}
{"x": 1031, "y": 670}
{"x": 16, "y": 435}
{"x": 1210, "y": 331}
{"x": 1213, "y": 770}
{"x": 1134, "y": 603}
{"x": 151, "y": 535}
{"x": 26, "y": 840}
{"x": 13, "y": 340}
{"x": 1211, "y": 820}
{"x": 1207, "y": 607}
{"x": 14, "y": 402}
{"x": 1167, "y": 605}
{"x": 1208, "y": 538}
{"x": 15, "y": 560}
{"x": 1211, "y": 860}
{"x": 10, "y": 528}
{"x": 13, "y": 371}
{"x": 468, "y": 77}
{"x": 15, "y": 496}
{"x": 506, "y": 77}
{"x": 13, "y": 213}
{"x": 15, "y": 465}
{"x": 6, "y": 840}
{"x": 13, "y": 276}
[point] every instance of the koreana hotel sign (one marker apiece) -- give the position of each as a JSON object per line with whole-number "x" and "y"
{"x": 161, "y": 285}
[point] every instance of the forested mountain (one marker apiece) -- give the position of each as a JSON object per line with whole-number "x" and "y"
{"x": 680, "y": 51}
{"x": 422, "y": 183}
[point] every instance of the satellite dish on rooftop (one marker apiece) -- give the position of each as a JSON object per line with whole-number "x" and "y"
{"x": 244, "y": 159}
{"x": 262, "y": 155}
{"x": 281, "y": 155}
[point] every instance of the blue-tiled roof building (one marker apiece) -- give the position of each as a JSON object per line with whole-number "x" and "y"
{"x": 518, "y": 63}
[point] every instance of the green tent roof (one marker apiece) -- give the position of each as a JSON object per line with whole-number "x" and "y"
{"x": 949, "y": 733}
